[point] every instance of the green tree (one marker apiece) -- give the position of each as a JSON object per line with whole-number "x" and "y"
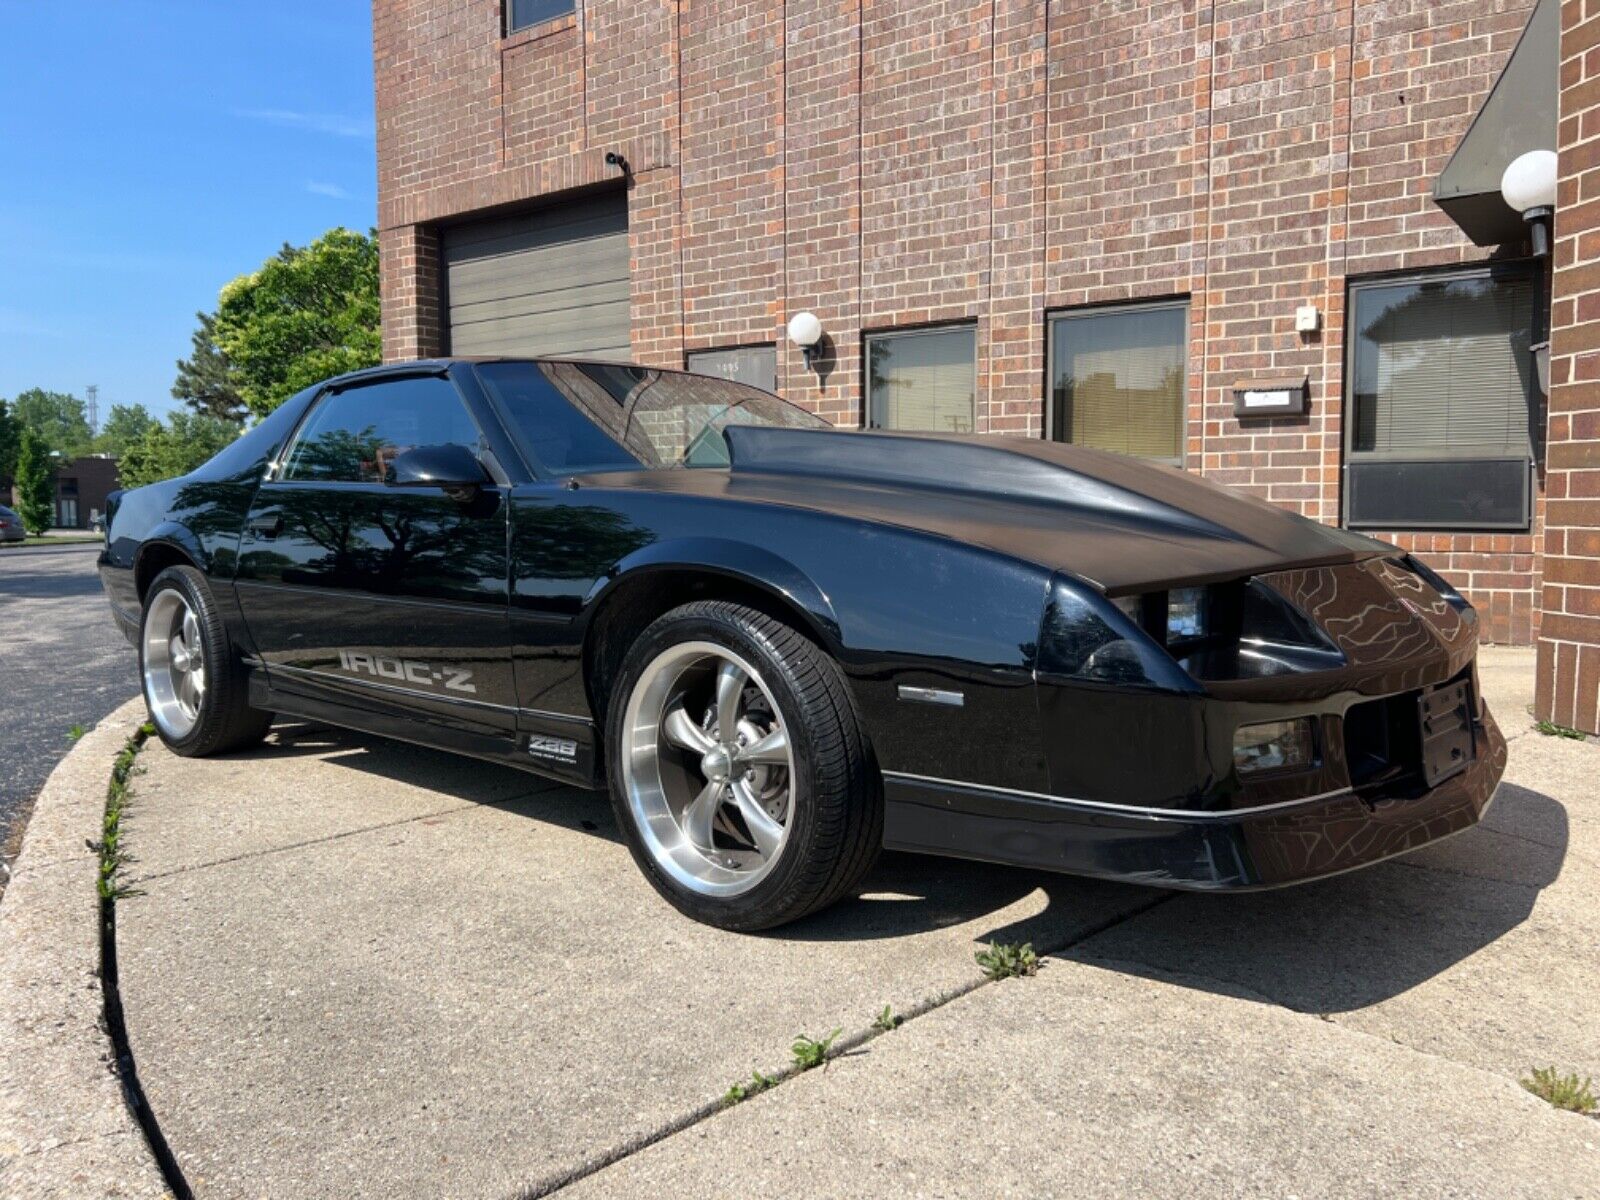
{"x": 10, "y": 442}
{"x": 58, "y": 418}
{"x": 125, "y": 424}
{"x": 176, "y": 448}
{"x": 206, "y": 379}
{"x": 36, "y": 493}
{"x": 308, "y": 313}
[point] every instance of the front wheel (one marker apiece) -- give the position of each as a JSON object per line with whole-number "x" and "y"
{"x": 194, "y": 684}
{"x": 739, "y": 772}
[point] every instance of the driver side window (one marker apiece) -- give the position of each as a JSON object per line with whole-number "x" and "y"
{"x": 354, "y": 436}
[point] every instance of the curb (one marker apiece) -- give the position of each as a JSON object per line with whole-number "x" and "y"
{"x": 65, "y": 1128}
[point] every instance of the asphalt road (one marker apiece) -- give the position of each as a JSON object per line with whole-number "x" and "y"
{"x": 62, "y": 663}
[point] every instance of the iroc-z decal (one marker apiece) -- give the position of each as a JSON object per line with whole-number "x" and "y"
{"x": 560, "y": 749}
{"x": 407, "y": 670}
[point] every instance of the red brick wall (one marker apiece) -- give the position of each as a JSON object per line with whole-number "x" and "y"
{"x": 1569, "y": 638}
{"x": 898, "y": 162}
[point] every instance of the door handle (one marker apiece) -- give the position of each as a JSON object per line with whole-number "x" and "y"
{"x": 267, "y": 526}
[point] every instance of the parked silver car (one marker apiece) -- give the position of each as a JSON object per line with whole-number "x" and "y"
{"x": 11, "y": 526}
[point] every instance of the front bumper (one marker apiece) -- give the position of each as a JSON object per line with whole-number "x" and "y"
{"x": 1269, "y": 846}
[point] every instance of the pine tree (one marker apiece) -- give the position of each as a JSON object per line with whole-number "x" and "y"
{"x": 206, "y": 378}
{"x": 36, "y": 493}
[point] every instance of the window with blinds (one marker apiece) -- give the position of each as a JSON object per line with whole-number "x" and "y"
{"x": 924, "y": 380}
{"x": 1441, "y": 368}
{"x": 1119, "y": 379}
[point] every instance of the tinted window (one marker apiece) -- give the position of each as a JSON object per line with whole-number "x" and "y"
{"x": 925, "y": 380}
{"x": 522, "y": 13}
{"x": 562, "y": 439}
{"x": 754, "y": 365}
{"x": 354, "y": 436}
{"x": 1120, "y": 378}
{"x": 620, "y": 417}
{"x": 1442, "y": 365}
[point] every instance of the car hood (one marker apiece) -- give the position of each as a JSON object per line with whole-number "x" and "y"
{"x": 1122, "y": 524}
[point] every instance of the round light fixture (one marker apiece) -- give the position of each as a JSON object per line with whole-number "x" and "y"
{"x": 1529, "y": 183}
{"x": 805, "y": 330}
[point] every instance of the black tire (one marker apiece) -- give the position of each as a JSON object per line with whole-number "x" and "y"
{"x": 225, "y": 720}
{"x": 836, "y": 822}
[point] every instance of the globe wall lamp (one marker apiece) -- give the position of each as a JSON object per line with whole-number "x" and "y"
{"x": 805, "y": 331}
{"x": 1529, "y": 187}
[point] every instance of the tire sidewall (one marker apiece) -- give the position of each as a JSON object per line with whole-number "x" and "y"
{"x": 751, "y": 909}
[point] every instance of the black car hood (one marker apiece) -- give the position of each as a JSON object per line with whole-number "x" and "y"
{"x": 1119, "y": 523}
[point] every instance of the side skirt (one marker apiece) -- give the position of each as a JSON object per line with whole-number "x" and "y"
{"x": 550, "y": 745}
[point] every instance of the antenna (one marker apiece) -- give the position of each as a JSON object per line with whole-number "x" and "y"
{"x": 92, "y": 402}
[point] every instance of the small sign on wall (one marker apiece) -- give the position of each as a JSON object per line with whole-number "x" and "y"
{"x": 1271, "y": 397}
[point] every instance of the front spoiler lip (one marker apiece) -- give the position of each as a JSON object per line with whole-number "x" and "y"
{"x": 1247, "y": 849}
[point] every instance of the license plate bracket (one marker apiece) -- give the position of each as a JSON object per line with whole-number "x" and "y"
{"x": 1445, "y": 715}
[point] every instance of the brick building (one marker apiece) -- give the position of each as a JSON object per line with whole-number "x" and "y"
{"x": 1106, "y": 221}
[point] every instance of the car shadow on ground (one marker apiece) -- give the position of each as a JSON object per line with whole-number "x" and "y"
{"x": 1325, "y": 947}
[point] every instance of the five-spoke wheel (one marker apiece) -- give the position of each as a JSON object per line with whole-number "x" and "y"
{"x": 739, "y": 773}
{"x": 174, "y": 663}
{"x": 708, "y": 769}
{"x": 194, "y": 682}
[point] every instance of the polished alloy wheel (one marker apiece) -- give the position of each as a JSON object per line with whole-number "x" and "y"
{"x": 707, "y": 769}
{"x": 174, "y": 663}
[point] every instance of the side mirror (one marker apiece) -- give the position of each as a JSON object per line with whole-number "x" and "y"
{"x": 451, "y": 467}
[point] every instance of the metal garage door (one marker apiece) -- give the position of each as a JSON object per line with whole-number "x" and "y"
{"x": 550, "y": 282}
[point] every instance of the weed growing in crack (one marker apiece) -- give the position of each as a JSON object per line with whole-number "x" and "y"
{"x": 886, "y": 1020}
{"x": 1004, "y": 960}
{"x": 743, "y": 1091}
{"x": 811, "y": 1052}
{"x": 1551, "y": 729}
{"x": 112, "y": 856}
{"x": 76, "y": 732}
{"x": 1561, "y": 1091}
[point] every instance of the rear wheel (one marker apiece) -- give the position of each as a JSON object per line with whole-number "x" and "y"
{"x": 739, "y": 772}
{"x": 194, "y": 684}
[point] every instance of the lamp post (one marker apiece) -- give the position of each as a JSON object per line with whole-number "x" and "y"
{"x": 1529, "y": 187}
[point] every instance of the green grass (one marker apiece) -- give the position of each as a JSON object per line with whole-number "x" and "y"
{"x": 1561, "y": 1091}
{"x": 112, "y": 855}
{"x": 886, "y": 1020}
{"x": 809, "y": 1052}
{"x": 1551, "y": 729}
{"x": 76, "y": 732}
{"x": 1005, "y": 960}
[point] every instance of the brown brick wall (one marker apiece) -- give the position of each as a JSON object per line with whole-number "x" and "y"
{"x": 896, "y": 162}
{"x": 1569, "y": 637}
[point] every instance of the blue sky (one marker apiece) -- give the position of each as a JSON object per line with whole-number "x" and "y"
{"x": 151, "y": 150}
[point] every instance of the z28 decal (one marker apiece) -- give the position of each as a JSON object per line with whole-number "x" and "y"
{"x": 407, "y": 670}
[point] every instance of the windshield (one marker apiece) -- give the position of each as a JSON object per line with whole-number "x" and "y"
{"x": 577, "y": 418}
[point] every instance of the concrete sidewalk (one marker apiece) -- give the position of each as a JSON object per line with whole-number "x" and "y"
{"x": 362, "y": 968}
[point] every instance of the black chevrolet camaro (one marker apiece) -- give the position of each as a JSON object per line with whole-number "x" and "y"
{"x": 784, "y": 646}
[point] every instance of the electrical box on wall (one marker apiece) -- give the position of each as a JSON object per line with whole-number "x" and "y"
{"x": 1271, "y": 397}
{"x": 1307, "y": 318}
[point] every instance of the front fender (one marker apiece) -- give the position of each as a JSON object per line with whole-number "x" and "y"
{"x": 171, "y": 535}
{"x": 752, "y": 565}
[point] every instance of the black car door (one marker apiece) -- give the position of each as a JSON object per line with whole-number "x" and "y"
{"x": 388, "y": 600}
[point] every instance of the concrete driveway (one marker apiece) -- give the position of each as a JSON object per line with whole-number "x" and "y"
{"x": 363, "y": 968}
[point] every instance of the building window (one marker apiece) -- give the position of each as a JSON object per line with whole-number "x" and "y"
{"x": 522, "y": 14}
{"x": 1119, "y": 378}
{"x": 754, "y": 365}
{"x": 925, "y": 379}
{"x": 1440, "y": 410}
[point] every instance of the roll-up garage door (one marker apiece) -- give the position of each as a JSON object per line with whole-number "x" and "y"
{"x": 553, "y": 281}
